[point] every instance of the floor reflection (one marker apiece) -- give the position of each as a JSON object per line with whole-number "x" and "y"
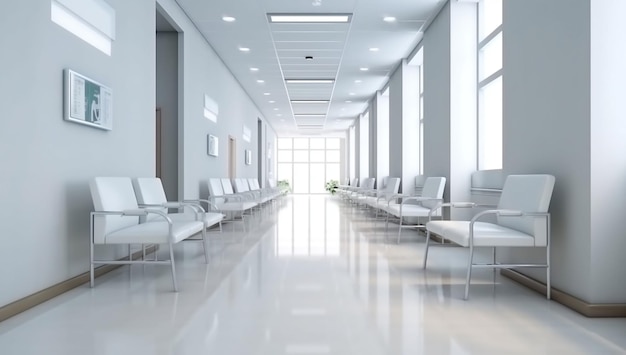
{"x": 314, "y": 275}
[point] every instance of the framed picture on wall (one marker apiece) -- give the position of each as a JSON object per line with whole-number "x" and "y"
{"x": 248, "y": 157}
{"x": 212, "y": 145}
{"x": 87, "y": 101}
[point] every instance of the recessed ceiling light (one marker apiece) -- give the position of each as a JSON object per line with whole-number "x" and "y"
{"x": 228, "y": 19}
{"x": 271, "y": 101}
{"x": 266, "y": 94}
{"x": 309, "y": 18}
{"x": 389, "y": 19}
{"x": 244, "y": 49}
{"x": 282, "y": 120}
{"x": 351, "y": 94}
{"x": 374, "y": 49}
{"x": 364, "y": 69}
{"x": 309, "y": 81}
{"x": 276, "y": 109}
{"x": 358, "y": 81}
{"x": 309, "y": 101}
{"x": 260, "y": 81}
{"x": 254, "y": 69}
{"x": 348, "y": 101}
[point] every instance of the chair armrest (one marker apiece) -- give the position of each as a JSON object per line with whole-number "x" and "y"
{"x": 209, "y": 202}
{"x": 500, "y": 212}
{"x": 420, "y": 199}
{"x": 177, "y": 204}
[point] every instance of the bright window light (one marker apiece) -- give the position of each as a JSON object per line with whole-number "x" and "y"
{"x": 211, "y": 108}
{"x": 309, "y": 18}
{"x": 95, "y": 26}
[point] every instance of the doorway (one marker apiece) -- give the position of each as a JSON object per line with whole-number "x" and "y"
{"x": 167, "y": 143}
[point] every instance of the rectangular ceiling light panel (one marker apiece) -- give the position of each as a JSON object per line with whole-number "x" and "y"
{"x": 309, "y": 81}
{"x": 309, "y": 18}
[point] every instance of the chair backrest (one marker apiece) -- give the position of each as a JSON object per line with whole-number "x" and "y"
{"x": 254, "y": 184}
{"x": 149, "y": 191}
{"x": 433, "y": 188}
{"x": 527, "y": 193}
{"x": 215, "y": 187}
{"x": 227, "y": 186}
{"x": 112, "y": 194}
{"x": 241, "y": 185}
{"x": 392, "y": 186}
{"x": 355, "y": 182}
{"x": 368, "y": 183}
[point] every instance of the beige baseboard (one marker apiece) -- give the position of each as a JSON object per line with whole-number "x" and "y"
{"x": 42, "y": 296}
{"x": 580, "y": 306}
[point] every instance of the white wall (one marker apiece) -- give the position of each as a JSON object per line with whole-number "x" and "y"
{"x": 437, "y": 97}
{"x": 450, "y": 84}
{"x": 205, "y": 73}
{"x": 395, "y": 124}
{"x": 546, "y": 125}
{"x": 382, "y": 136}
{"x": 608, "y": 144}
{"x": 410, "y": 126}
{"x": 46, "y": 161}
{"x": 373, "y": 139}
{"x": 364, "y": 150}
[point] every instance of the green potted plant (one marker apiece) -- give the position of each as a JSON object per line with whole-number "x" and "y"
{"x": 284, "y": 186}
{"x": 331, "y": 186}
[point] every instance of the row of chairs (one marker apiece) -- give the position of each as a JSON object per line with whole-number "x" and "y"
{"x": 136, "y": 211}
{"x": 398, "y": 206}
{"x": 521, "y": 219}
{"x": 239, "y": 196}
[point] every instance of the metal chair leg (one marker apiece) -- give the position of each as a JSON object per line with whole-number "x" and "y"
{"x": 173, "y": 268}
{"x": 469, "y": 272}
{"x": 426, "y": 248}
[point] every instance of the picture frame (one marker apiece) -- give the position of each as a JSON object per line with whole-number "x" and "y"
{"x": 87, "y": 101}
{"x": 248, "y": 157}
{"x": 212, "y": 145}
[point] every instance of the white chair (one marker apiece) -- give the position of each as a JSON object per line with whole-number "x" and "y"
{"x": 367, "y": 184}
{"x": 115, "y": 221}
{"x": 150, "y": 194}
{"x": 231, "y": 203}
{"x": 269, "y": 193}
{"x": 424, "y": 206}
{"x": 522, "y": 220}
{"x": 344, "y": 190}
{"x": 380, "y": 198}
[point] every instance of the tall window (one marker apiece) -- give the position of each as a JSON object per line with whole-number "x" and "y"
{"x": 490, "y": 84}
{"x": 308, "y": 163}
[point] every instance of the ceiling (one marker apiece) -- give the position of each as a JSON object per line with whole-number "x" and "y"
{"x": 340, "y": 52}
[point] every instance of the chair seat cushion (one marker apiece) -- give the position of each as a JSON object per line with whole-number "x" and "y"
{"x": 210, "y": 218}
{"x": 236, "y": 206}
{"x": 485, "y": 234}
{"x": 154, "y": 232}
{"x": 408, "y": 210}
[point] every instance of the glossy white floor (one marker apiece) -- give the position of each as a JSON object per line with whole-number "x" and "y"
{"x": 313, "y": 276}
